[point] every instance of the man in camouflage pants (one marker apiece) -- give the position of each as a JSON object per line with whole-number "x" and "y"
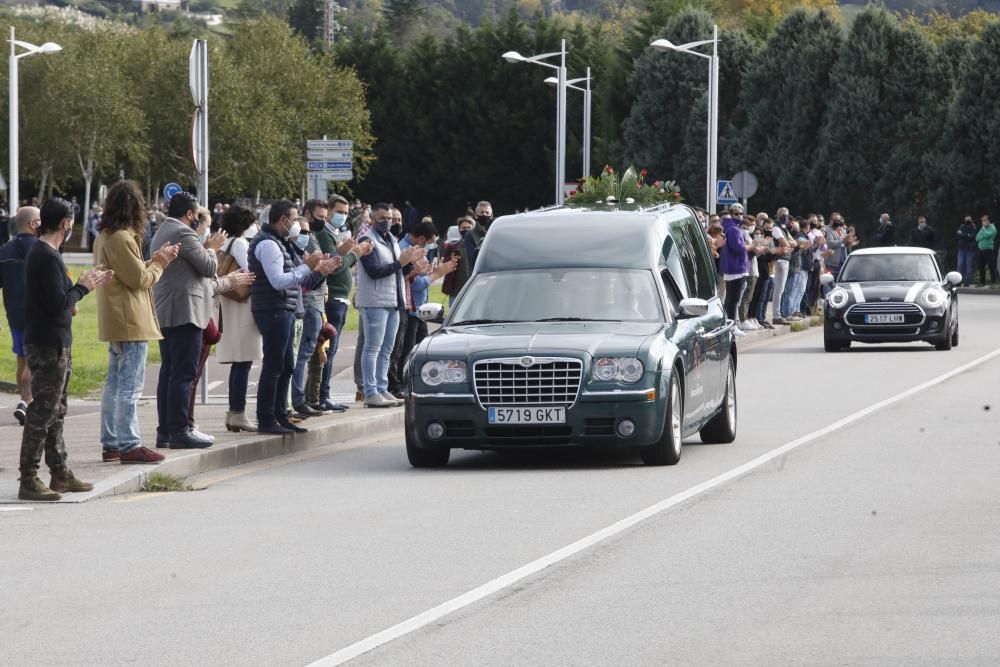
{"x": 48, "y": 343}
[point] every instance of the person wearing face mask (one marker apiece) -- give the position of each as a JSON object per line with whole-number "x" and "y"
{"x": 474, "y": 237}
{"x": 453, "y": 248}
{"x": 923, "y": 235}
{"x": 183, "y": 300}
{"x": 335, "y": 239}
{"x": 48, "y": 346}
{"x": 12, "y": 256}
{"x": 313, "y": 305}
{"x": 381, "y": 296}
{"x": 281, "y": 270}
{"x": 396, "y": 224}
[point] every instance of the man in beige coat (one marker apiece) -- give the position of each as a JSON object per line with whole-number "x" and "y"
{"x": 126, "y": 320}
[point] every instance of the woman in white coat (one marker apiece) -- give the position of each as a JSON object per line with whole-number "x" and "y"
{"x": 241, "y": 342}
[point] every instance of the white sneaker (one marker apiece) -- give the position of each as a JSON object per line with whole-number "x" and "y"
{"x": 739, "y": 333}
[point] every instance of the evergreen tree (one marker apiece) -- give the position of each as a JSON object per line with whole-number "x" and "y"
{"x": 784, "y": 101}
{"x": 306, "y": 18}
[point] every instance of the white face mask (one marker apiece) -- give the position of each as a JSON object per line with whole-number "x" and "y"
{"x": 69, "y": 233}
{"x": 294, "y": 230}
{"x": 251, "y": 231}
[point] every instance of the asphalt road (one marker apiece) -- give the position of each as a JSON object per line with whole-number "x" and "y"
{"x": 867, "y": 534}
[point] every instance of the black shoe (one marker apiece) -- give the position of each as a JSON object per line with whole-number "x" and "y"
{"x": 332, "y": 406}
{"x": 274, "y": 429}
{"x": 292, "y": 427}
{"x": 188, "y": 439}
{"x": 306, "y": 411}
{"x": 162, "y": 440}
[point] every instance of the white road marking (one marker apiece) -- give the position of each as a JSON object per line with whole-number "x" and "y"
{"x": 489, "y": 588}
{"x": 16, "y": 509}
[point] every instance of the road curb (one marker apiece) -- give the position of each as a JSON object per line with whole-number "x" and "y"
{"x": 755, "y": 339}
{"x": 252, "y": 448}
{"x": 979, "y": 290}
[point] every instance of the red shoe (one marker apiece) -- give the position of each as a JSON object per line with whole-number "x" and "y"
{"x": 141, "y": 455}
{"x": 110, "y": 455}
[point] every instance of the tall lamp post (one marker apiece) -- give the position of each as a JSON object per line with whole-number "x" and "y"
{"x": 515, "y": 57}
{"x": 711, "y": 172}
{"x": 553, "y": 81}
{"x": 29, "y": 50}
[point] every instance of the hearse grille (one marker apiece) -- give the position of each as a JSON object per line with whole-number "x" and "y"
{"x": 528, "y": 381}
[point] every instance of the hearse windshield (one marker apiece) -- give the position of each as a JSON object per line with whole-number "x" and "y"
{"x": 560, "y": 295}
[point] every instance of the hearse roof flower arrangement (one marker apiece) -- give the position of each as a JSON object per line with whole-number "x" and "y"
{"x": 629, "y": 187}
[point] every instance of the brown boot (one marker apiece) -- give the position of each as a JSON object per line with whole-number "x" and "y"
{"x": 32, "y": 488}
{"x": 66, "y": 482}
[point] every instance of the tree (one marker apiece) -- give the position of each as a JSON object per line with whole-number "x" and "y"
{"x": 306, "y": 18}
{"x": 784, "y": 99}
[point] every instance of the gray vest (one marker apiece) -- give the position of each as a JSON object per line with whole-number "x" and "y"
{"x": 380, "y": 292}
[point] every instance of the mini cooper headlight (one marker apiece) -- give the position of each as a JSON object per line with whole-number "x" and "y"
{"x": 621, "y": 369}
{"x": 838, "y": 298}
{"x": 934, "y": 297}
{"x": 450, "y": 371}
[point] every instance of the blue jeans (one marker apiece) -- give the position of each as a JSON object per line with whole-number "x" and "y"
{"x": 967, "y": 265}
{"x": 758, "y": 307}
{"x": 312, "y": 322}
{"x": 380, "y": 325}
{"x": 122, "y": 389}
{"x": 239, "y": 378}
{"x": 276, "y": 329}
{"x": 336, "y": 314}
{"x": 794, "y": 290}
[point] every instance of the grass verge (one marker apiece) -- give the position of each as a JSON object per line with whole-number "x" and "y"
{"x": 159, "y": 482}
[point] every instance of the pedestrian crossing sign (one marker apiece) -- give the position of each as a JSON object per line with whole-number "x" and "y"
{"x": 726, "y": 194}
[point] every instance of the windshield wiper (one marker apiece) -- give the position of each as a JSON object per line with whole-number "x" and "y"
{"x": 471, "y": 322}
{"x": 574, "y": 319}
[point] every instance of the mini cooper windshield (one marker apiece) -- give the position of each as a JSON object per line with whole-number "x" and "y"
{"x": 889, "y": 268}
{"x": 560, "y": 295}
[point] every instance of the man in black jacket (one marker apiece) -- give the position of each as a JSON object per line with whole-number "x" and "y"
{"x": 968, "y": 249}
{"x": 923, "y": 235}
{"x": 885, "y": 235}
{"x": 48, "y": 343}
{"x": 12, "y": 255}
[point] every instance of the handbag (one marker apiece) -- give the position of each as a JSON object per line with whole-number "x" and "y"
{"x": 228, "y": 264}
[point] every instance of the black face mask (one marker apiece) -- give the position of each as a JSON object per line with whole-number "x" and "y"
{"x": 463, "y": 232}
{"x": 396, "y": 229}
{"x": 317, "y": 224}
{"x": 484, "y": 220}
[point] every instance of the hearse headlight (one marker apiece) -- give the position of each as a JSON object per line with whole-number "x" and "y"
{"x": 628, "y": 370}
{"x": 450, "y": 371}
{"x": 839, "y": 297}
{"x": 934, "y": 297}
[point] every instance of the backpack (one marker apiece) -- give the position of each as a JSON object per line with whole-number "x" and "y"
{"x": 228, "y": 264}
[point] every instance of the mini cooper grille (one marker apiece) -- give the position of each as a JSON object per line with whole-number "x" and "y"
{"x": 545, "y": 382}
{"x": 912, "y": 313}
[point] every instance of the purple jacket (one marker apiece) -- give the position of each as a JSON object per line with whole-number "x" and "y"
{"x": 733, "y": 257}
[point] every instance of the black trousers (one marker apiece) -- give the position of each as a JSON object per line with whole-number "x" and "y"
{"x": 276, "y": 330}
{"x": 987, "y": 259}
{"x": 180, "y": 354}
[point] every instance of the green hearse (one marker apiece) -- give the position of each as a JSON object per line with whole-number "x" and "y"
{"x": 590, "y": 327}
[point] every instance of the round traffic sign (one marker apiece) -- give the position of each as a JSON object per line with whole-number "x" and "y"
{"x": 745, "y": 185}
{"x": 171, "y": 189}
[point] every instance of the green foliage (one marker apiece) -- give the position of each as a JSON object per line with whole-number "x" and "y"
{"x": 629, "y": 188}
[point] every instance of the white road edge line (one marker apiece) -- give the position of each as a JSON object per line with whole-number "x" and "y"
{"x": 475, "y": 595}
{"x": 16, "y": 509}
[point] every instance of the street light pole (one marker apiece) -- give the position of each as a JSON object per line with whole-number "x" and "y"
{"x": 553, "y": 81}
{"x": 712, "y": 143}
{"x": 13, "y": 192}
{"x": 515, "y": 57}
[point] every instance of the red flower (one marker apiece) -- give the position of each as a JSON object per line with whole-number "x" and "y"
{"x": 608, "y": 169}
{"x": 642, "y": 174}
{"x": 572, "y": 192}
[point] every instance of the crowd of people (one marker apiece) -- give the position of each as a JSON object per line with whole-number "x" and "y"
{"x": 763, "y": 261}
{"x": 271, "y": 286}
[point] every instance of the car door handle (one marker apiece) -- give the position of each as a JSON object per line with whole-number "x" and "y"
{"x": 700, "y": 331}
{"x": 721, "y": 330}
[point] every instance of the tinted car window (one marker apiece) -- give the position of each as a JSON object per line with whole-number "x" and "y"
{"x": 889, "y": 268}
{"x": 696, "y": 263}
{"x": 541, "y": 294}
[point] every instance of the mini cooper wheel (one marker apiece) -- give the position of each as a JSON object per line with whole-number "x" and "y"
{"x": 946, "y": 343}
{"x": 667, "y": 451}
{"x": 834, "y": 345}
{"x": 722, "y": 428}
{"x": 422, "y": 457}
{"x": 954, "y": 337}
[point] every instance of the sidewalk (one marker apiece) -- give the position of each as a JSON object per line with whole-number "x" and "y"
{"x": 82, "y": 435}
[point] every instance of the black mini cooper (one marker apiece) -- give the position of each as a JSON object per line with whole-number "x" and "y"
{"x": 891, "y": 295}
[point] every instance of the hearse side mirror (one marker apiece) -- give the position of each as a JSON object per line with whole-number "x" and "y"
{"x": 432, "y": 313}
{"x": 693, "y": 308}
{"x": 954, "y": 278}
{"x": 826, "y": 279}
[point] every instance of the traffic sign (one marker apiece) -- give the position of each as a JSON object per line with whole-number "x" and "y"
{"x": 328, "y": 154}
{"x": 329, "y": 144}
{"x": 339, "y": 175}
{"x": 171, "y": 189}
{"x": 324, "y": 165}
{"x": 745, "y": 185}
{"x": 726, "y": 194}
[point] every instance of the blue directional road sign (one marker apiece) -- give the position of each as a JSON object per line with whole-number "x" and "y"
{"x": 726, "y": 193}
{"x": 170, "y": 189}
{"x": 326, "y": 165}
